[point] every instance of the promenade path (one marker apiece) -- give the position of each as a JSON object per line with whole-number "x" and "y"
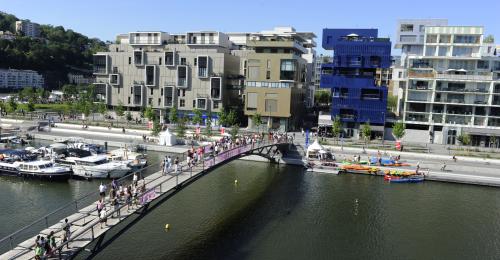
{"x": 85, "y": 225}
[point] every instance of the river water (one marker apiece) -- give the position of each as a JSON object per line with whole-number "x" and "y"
{"x": 281, "y": 212}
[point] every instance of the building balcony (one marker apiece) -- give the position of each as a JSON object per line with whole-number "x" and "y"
{"x": 421, "y": 73}
{"x": 464, "y": 77}
{"x": 277, "y": 44}
{"x": 330, "y": 81}
{"x": 265, "y": 84}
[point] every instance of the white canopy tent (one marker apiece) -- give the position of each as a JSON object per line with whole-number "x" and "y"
{"x": 314, "y": 148}
{"x": 167, "y": 138}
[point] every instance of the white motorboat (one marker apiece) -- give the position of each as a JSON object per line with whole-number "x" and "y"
{"x": 134, "y": 160}
{"x": 45, "y": 170}
{"x": 99, "y": 166}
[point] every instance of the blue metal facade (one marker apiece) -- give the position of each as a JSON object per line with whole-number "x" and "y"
{"x": 358, "y": 53}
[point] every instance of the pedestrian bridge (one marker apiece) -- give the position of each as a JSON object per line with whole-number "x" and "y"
{"x": 86, "y": 232}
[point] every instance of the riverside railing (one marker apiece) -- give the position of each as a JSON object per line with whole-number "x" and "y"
{"x": 151, "y": 193}
{"x": 52, "y": 218}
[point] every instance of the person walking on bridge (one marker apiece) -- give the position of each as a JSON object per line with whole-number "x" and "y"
{"x": 102, "y": 191}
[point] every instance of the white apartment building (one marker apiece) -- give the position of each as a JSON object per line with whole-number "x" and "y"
{"x": 79, "y": 79}
{"x": 17, "y": 79}
{"x": 28, "y": 28}
{"x": 451, "y": 83}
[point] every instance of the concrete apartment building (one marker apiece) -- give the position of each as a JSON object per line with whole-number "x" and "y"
{"x": 278, "y": 66}
{"x": 18, "y": 79}
{"x": 162, "y": 70}
{"x": 452, "y": 82}
{"x": 27, "y": 28}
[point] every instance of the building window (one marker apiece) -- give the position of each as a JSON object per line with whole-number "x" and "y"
{"x": 178, "y": 92}
{"x": 131, "y": 90}
{"x": 161, "y": 92}
{"x": 150, "y": 101}
{"x": 183, "y": 92}
{"x": 182, "y": 103}
{"x": 268, "y": 74}
{"x": 406, "y": 28}
{"x": 201, "y": 103}
{"x": 159, "y": 101}
{"x": 169, "y": 97}
{"x": 129, "y": 100}
{"x": 268, "y": 64}
{"x": 215, "y": 104}
{"x": 183, "y": 61}
{"x": 194, "y": 103}
{"x": 271, "y": 105}
{"x": 202, "y": 63}
{"x": 129, "y": 60}
{"x": 195, "y": 61}
{"x": 170, "y": 58}
{"x": 287, "y": 71}
{"x": 159, "y": 60}
{"x": 150, "y": 75}
{"x": 215, "y": 87}
{"x": 251, "y": 101}
{"x": 151, "y": 91}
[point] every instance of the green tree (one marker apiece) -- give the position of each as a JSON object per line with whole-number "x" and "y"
{"x": 181, "y": 127}
{"x": 156, "y": 127}
{"x": 149, "y": 113}
{"x": 398, "y": 130}
{"x": 172, "y": 116}
{"x": 128, "y": 116}
{"x": 464, "y": 139}
{"x": 42, "y": 94}
{"x": 336, "y": 128}
{"x": 12, "y": 105}
{"x": 26, "y": 93}
{"x": 235, "y": 129}
{"x": 197, "y": 117}
{"x": 322, "y": 97}
{"x": 392, "y": 103}
{"x": 257, "y": 121}
{"x": 232, "y": 118}
{"x": 120, "y": 110}
{"x": 69, "y": 91}
{"x": 366, "y": 132}
{"x": 31, "y": 105}
{"x": 208, "y": 126}
{"x": 222, "y": 115}
{"x": 101, "y": 108}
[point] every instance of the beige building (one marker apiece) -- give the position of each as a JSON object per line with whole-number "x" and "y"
{"x": 210, "y": 71}
{"x": 275, "y": 65}
{"x": 186, "y": 71}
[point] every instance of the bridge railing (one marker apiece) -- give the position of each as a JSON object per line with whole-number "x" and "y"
{"x": 57, "y": 215}
{"x": 10, "y": 241}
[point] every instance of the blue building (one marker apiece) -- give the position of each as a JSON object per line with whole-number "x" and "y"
{"x": 356, "y": 98}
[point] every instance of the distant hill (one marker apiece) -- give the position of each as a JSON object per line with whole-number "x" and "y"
{"x": 56, "y": 53}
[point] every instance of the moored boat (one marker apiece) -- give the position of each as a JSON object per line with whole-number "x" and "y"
{"x": 360, "y": 169}
{"x": 98, "y": 166}
{"x": 398, "y": 176}
{"x": 44, "y": 170}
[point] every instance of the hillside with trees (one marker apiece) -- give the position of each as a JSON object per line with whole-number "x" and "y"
{"x": 56, "y": 53}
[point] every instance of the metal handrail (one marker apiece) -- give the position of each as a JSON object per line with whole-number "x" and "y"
{"x": 111, "y": 213}
{"x": 256, "y": 145}
{"x": 74, "y": 202}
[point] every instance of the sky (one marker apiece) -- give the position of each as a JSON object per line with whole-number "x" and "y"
{"x": 105, "y": 19}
